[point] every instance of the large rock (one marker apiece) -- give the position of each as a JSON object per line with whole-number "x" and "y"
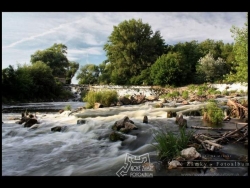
{"x": 181, "y": 121}
{"x": 114, "y": 136}
{"x": 174, "y": 164}
{"x": 30, "y": 122}
{"x": 81, "y": 121}
{"x": 152, "y": 98}
{"x": 145, "y": 119}
{"x": 137, "y": 99}
{"x": 190, "y": 153}
{"x": 124, "y": 100}
{"x": 124, "y": 125}
{"x": 58, "y": 128}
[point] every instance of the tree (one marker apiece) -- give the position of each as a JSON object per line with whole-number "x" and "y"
{"x": 55, "y": 58}
{"x": 88, "y": 74}
{"x": 131, "y": 48}
{"x": 211, "y": 70}
{"x": 191, "y": 54}
{"x": 44, "y": 85}
{"x": 167, "y": 69}
{"x": 240, "y": 50}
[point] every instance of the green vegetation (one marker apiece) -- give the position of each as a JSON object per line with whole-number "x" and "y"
{"x": 212, "y": 113}
{"x": 55, "y": 58}
{"x": 67, "y": 108}
{"x": 168, "y": 144}
{"x": 185, "y": 95}
{"x": 239, "y": 71}
{"x": 105, "y": 97}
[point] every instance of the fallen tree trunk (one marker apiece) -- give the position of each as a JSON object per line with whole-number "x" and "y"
{"x": 211, "y": 128}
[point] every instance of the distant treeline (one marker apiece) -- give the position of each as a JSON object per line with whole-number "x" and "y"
{"x": 135, "y": 56}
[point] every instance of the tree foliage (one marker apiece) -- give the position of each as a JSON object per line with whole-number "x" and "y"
{"x": 240, "y": 49}
{"x": 167, "y": 69}
{"x": 131, "y": 48}
{"x": 88, "y": 74}
{"x": 55, "y": 57}
{"x": 211, "y": 70}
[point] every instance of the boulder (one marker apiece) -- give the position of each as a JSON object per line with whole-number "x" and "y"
{"x": 114, "y": 136}
{"x": 81, "y": 121}
{"x": 145, "y": 119}
{"x": 124, "y": 100}
{"x": 190, "y": 153}
{"x": 174, "y": 164}
{"x": 30, "y": 122}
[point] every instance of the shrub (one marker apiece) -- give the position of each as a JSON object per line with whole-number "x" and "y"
{"x": 212, "y": 113}
{"x": 169, "y": 145}
{"x": 105, "y": 97}
{"x": 185, "y": 95}
{"x": 67, "y": 108}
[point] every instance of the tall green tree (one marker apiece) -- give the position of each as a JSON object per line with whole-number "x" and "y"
{"x": 190, "y": 53}
{"x": 240, "y": 50}
{"x": 88, "y": 74}
{"x": 56, "y": 58}
{"x": 167, "y": 70}
{"x": 131, "y": 48}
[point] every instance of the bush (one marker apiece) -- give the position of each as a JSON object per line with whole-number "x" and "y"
{"x": 170, "y": 145}
{"x": 105, "y": 97}
{"x": 185, "y": 95}
{"x": 67, "y": 108}
{"x": 212, "y": 113}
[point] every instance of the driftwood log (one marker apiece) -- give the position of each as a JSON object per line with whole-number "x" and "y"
{"x": 237, "y": 110}
{"x": 211, "y": 144}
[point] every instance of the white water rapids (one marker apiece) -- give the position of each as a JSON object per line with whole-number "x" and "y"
{"x": 84, "y": 150}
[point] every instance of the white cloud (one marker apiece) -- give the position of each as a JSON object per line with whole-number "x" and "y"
{"x": 86, "y": 32}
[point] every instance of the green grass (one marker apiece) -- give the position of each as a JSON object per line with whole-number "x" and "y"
{"x": 105, "y": 97}
{"x": 67, "y": 108}
{"x": 169, "y": 145}
{"x": 185, "y": 95}
{"x": 212, "y": 113}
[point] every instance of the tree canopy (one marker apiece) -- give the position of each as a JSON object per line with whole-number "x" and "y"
{"x": 55, "y": 57}
{"x": 131, "y": 48}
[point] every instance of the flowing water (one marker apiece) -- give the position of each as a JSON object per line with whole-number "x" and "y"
{"x": 85, "y": 149}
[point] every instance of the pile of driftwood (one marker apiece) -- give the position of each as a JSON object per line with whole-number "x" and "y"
{"x": 213, "y": 142}
{"x": 237, "y": 109}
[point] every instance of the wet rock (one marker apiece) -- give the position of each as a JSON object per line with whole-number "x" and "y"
{"x": 61, "y": 111}
{"x": 190, "y": 153}
{"x": 124, "y": 125}
{"x": 114, "y": 136}
{"x": 81, "y": 121}
{"x": 30, "y": 122}
{"x": 58, "y": 128}
{"x": 145, "y": 119}
{"x": 152, "y": 98}
{"x": 98, "y": 105}
{"x": 174, "y": 164}
{"x": 185, "y": 102}
{"x": 124, "y": 100}
{"x": 181, "y": 121}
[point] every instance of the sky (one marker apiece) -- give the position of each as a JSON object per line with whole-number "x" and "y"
{"x": 85, "y": 33}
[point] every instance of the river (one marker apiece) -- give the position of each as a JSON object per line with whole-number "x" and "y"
{"x": 85, "y": 149}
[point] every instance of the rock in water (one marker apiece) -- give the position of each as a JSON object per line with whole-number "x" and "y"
{"x": 145, "y": 119}
{"x": 30, "y": 122}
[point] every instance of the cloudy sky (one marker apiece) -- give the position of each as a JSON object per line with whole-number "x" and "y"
{"x": 85, "y": 33}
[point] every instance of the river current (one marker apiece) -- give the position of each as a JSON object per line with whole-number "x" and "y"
{"x": 85, "y": 149}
